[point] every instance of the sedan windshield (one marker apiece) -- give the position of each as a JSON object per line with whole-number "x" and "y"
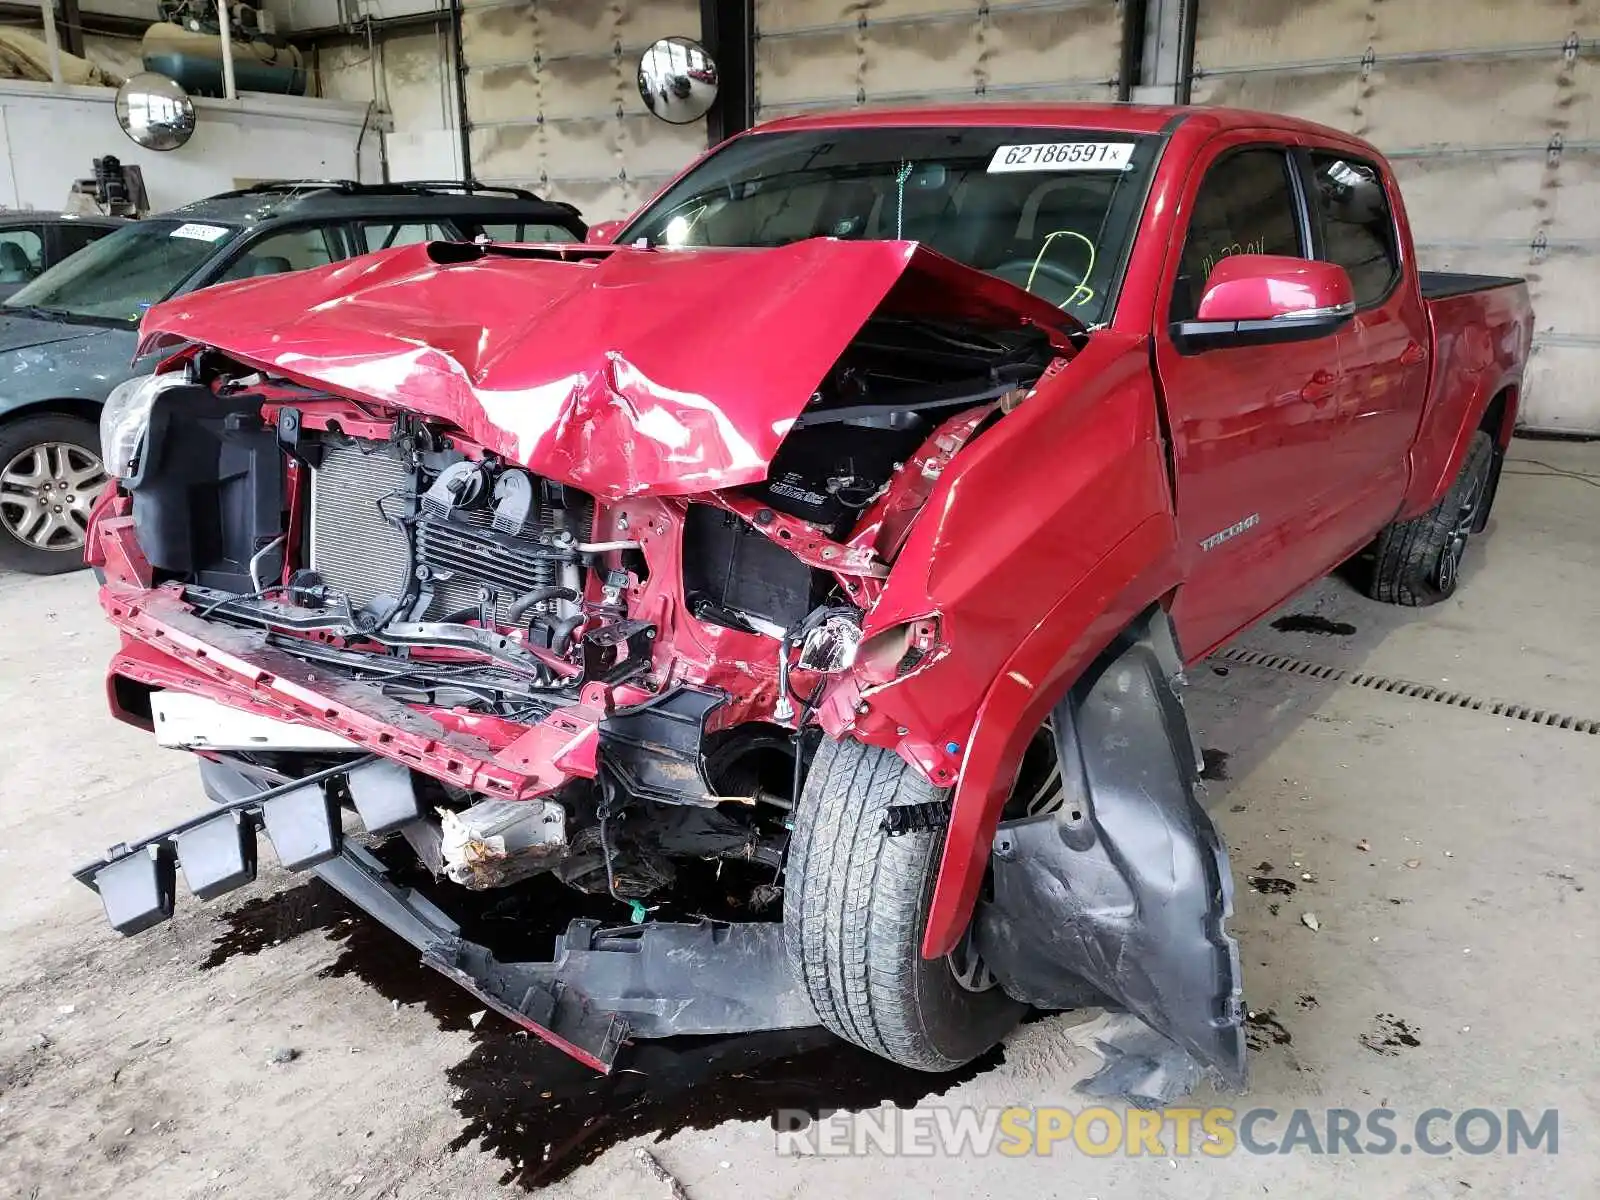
{"x": 1051, "y": 210}
{"x": 118, "y": 277}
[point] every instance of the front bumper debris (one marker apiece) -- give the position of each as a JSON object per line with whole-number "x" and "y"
{"x": 603, "y": 985}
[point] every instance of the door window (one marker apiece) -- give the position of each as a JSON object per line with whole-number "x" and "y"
{"x": 386, "y": 235}
{"x": 21, "y": 255}
{"x": 526, "y": 231}
{"x": 294, "y": 250}
{"x": 1246, "y": 205}
{"x": 1357, "y": 226}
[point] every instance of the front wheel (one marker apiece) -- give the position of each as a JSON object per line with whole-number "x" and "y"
{"x": 855, "y": 906}
{"x": 50, "y": 477}
{"x": 1418, "y": 562}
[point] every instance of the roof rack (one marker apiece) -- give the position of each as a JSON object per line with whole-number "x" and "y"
{"x": 409, "y": 187}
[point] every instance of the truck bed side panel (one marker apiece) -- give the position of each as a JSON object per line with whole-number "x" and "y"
{"x": 1481, "y": 339}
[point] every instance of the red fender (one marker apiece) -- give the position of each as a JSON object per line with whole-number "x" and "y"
{"x": 1132, "y": 576}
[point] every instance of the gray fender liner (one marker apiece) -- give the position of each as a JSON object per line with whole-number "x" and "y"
{"x": 1120, "y": 897}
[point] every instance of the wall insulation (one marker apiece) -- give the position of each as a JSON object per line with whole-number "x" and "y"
{"x": 1490, "y": 116}
{"x": 553, "y": 100}
{"x": 822, "y": 54}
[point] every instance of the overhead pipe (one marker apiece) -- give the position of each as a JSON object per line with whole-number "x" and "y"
{"x": 225, "y": 24}
{"x": 52, "y": 40}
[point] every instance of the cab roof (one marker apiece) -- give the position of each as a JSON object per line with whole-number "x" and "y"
{"x": 1111, "y": 118}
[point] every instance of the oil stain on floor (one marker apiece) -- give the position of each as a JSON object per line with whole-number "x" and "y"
{"x": 543, "y": 1114}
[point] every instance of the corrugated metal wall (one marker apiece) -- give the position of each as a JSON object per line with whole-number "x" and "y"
{"x": 821, "y": 54}
{"x": 1489, "y": 112}
{"x": 553, "y": 102}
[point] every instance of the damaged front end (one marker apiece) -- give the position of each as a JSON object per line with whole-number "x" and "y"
{"x": 538, "y": 614}
{"x": 571, "y": 595}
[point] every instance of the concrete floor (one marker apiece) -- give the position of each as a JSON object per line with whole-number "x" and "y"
{"x": 1453, "y": 857}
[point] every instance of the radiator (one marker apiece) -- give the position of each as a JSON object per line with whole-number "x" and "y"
{"x": 360, "y": 554}
{"x": 352, "y": 547}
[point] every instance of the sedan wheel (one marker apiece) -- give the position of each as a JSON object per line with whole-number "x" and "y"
{"x": 50, "y": 478}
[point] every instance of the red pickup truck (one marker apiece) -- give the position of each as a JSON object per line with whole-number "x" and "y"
{"x": 803, "y": 582}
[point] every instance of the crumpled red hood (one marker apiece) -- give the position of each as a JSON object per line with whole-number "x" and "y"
{"x": 618, "y": 370}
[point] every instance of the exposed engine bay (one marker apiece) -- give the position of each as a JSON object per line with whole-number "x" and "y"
{"x": 669, "y": 650}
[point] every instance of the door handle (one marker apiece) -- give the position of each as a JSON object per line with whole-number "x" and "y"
{"x": 1320, "y": 386}
{"x": 1415, "y": 354}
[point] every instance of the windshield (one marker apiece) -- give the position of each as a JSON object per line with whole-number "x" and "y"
{"x": 1050, "y": 210}
{"x": 124, "y": 273}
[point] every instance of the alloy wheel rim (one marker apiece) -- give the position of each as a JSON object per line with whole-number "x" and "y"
{"x": 1456, "y": 542}
{"x": 47, "y": 491}
{"x": 968, "y": 968}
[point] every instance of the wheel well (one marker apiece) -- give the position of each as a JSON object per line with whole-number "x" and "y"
{"x": 1494, "y": 419}
{"x": 88, "y": 410}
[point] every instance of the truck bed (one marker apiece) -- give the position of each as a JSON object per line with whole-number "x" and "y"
{"x": 1436, "y": 285}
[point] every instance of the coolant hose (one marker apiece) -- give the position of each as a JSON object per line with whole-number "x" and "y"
{"x": 520, "y": 606}
{"x": 562, "y": 633}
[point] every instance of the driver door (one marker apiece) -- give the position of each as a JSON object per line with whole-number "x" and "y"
{"x": 1252, "y": 426}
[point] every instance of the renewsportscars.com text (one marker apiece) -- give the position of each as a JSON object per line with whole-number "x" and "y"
{"x": 1171, "y": 1132}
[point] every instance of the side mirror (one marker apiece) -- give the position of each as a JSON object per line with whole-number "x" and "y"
{"x": 603, "y": 232}
{"x": 1261, "y": 299}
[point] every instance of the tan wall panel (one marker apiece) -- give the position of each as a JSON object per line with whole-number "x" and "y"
{"x": 643, "y": 21}
{"x": 1252, "y": 32}
{"x": 503, "y": 94}
{"x": 1432, "y": 103}
{"x": 417, "y": 78}
{"x": 773, "y": 15}
{"x": 902, "y": 60}
{"x": 507, "y": 152}
{"x": 1040, "y": 46}
{"x": 1403, "y": 26}
{"x": 1471, "y": 196}
{"x": 1558, "y": 393}
{"x": 1330, "y": 97}
{"x": 501, "y": 33}
{"x": 1240, "y": 32}
{"x": 576, "y": 26}
{"x": 791, "y": 69}
{"x": 587, "y": 87}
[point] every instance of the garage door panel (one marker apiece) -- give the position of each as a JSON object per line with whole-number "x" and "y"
{"x": 1428, "y": 103}
{"x": 817, "y": 66}
{"x": 1462, "y": 196}
{"x": 905, "y": 60}
{"x": 499, "y": 33}
{"x": 504, "y": 152}
{"x": 653, "y": 149}
{"x": 576, "y": 26}
{"x": 508, "y": 93}
{"x": 1406, "y": 26}
{"x": 1560, "y": 283}
{"x": 1243, "y": 32}
{"x": 639, "y": 24}
{"x": 1558, "y": 389}
{"x": 586, "y": 87}
{"x": 1330, "y": 97}
{"x": 1038, "y": 46}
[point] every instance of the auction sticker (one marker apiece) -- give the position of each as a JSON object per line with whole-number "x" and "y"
{"x": 202, "y": 233}
{"x": 1062, "y": 156}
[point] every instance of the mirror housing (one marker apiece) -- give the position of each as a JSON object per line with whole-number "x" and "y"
{"x": 155, "y": 111}
{"x": 602, "y": 233}
{"x": 678, "y": 80}
{"x": 1261, "y": 299}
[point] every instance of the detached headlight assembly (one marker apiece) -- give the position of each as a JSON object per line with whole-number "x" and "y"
{"x": 125, "y": 418}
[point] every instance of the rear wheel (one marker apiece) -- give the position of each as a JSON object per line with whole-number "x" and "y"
{"x": 50, "y": 477}
{"x": 855, "y": 906}
{"x": 1418, "y": 562}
